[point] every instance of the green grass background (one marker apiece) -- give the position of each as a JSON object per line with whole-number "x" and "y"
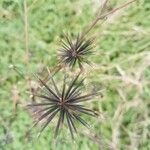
{"x": 123, "y": 41}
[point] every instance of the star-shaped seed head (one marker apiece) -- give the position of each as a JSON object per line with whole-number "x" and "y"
{"x": 64, "y": 103}
{"x": 75, "y": 52}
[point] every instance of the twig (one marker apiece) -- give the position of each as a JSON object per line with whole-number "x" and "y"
{"x": 27, "y": 43}
{"x": 100, "y": 16}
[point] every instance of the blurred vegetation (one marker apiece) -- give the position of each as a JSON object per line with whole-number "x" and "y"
{"x": 121, "y": 65}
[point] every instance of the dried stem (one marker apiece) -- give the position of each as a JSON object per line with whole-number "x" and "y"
{"x": 100, "y": 16}
{"x": 27, "y": 44}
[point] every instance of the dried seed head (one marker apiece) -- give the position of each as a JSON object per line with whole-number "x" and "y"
{"x": 64, "y": 102}
{"x": 75, "y": 52}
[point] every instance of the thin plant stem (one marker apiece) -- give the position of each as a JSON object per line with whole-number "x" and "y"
{"x": 27, "y": 43}
{"x": 100, "y": 16}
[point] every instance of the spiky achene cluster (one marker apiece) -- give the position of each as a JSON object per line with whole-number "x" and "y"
{"x": 64, "y": 102}
{"x": 75, "y": 52}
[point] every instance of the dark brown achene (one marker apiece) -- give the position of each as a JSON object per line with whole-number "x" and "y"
{"x": 63, "y": 102}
